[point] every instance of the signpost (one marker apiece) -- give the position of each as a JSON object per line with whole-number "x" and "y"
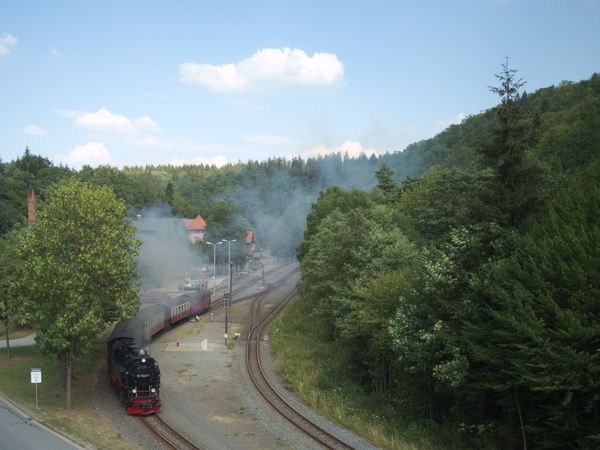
{"x": 36, "y": 378}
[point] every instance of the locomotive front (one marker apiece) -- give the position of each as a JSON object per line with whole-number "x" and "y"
{"x": 135, "y": 375}
{"x": 141, "y": 385}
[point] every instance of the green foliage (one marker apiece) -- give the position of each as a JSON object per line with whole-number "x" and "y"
{"x": 384, "y": 190}
{"x": 473, "y": 292}
{"x": 546, "y": 323}
{"x": 331, "y": 200}
{"x": 8, "y": 280}
{"x": 16, "y": 178}
{"x": 76, "y": 268}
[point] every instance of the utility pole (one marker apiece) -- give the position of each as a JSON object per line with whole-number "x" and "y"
{"x": 214, "y": 267}
{"x": 227, "y": 299}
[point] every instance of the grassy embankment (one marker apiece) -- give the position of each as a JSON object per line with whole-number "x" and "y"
{"x": 316, "y": 370}
{"x": 83, "y": 421}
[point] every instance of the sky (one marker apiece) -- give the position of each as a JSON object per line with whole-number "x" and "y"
{"x": 133, "y": 83}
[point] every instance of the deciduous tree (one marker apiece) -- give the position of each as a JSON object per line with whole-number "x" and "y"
{"x": 77, "y": 270}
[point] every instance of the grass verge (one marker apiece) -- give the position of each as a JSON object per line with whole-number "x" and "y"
{"x": 83, "y": 422}
{"x": 315, "y": 369}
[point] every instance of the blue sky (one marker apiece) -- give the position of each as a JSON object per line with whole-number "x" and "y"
{"x": 149, "y": 82}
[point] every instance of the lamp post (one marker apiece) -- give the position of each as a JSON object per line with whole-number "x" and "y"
{"x": 227, "y": 301}
{"x": 214, "y": 266}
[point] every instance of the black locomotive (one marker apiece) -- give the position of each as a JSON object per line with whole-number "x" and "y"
{"x": 133, "y": 372}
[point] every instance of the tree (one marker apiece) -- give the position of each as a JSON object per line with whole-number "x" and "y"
{"x": 8, "y": 303}
{"x": 541, "y": 325}
{"x": 330, "y": 200}
{"x": 516, "y": 179}
{"x": 384, "y": 190}
{"x": 77, "y": 270}
{"x": 169, "y": 193}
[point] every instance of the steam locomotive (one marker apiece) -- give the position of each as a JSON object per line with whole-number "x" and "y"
{"x": 134, "y": 373}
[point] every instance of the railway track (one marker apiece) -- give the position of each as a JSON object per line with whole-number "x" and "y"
{"x": 167, "y": 434}
{"x": 245, "y": 285}
{"x": 265, "y": 387}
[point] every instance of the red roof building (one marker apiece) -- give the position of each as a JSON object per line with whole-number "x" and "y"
{"x": 195, "y": 228}
{"x": 250, "y": 241}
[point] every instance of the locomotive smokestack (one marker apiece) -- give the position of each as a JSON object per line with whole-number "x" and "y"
{"x": 31, "y": 206}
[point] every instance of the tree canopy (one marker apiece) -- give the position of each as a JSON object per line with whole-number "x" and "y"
{"x": 77, "y": 271}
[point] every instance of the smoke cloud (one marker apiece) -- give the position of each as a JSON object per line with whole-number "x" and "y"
{"x": 167, "y": 256}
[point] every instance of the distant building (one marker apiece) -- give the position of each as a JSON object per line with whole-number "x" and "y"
{"x": 250, "y": 242}
{"x": 195, "y": 228}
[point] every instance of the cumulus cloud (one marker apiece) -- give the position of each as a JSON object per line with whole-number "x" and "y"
{"x": 445, "y": 123}
{"x": 107, "y": 122}
{"x": 218, "y": 161}
{"x": 267, "y": 139}
{"x": 92, "y": 154}
{"x": 34, "y": 130}
{"x": 352, "y": 149}
{"x": 7, "y": 43}
{"x": 269, "y": 66}
{"x": 145, "y": 123}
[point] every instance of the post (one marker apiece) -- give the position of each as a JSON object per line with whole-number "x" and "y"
{"x": 214, "y": 266}
{"x": 36, "y": 378}
{"x": 230, "y": 294}
{"x": 214, "y": 270}
{"x": 227, "y": 299}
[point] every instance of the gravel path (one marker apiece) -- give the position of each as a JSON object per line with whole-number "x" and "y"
{"x": 206, "y": 394}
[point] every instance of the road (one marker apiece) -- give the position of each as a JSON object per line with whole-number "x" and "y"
{"x": 21, "y": 342}
{"x": 19, "y": 431}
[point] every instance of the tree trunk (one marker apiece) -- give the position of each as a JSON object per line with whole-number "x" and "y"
{"x": 62, "y": 372}
{"x": 7, "y": 339}
{"x": 69, "y": 374}
{"x": 520, "y": 419}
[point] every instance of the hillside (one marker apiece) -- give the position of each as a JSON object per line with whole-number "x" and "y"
{"x": 472, "y": 290}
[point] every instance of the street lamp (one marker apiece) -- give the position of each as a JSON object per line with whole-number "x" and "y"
{"x": 214, "y": 266}
{"x": 227, "y": 301}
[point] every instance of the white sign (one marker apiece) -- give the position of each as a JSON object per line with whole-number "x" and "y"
{"x": 36, "y": 376}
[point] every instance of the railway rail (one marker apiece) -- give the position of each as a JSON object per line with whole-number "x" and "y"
{"x": 167, "y": 434}
{"x": 265, "y": 387}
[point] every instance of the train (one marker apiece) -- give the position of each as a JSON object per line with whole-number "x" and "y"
{"x": 132, "y": 371}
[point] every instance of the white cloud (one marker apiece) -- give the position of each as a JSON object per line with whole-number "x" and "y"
{"x": 104, "y": 120}
{"x": 34, "y": 130}
{"x": 445, "y": 123}
{"x": 107, "y": 122}
{"x": 55, "y": 53}
{"x": 145, "y": 123}
{"x": 92, "y": 154}
{"x": 352, "y": 149}
{"x": 267, "y": 139}
{"x": 269, "y": 66}
{"x": 7, "y": 43}
{"x": 218, "y": 161}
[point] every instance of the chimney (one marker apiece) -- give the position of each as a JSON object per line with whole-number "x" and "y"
{"x": 31, "y": 206}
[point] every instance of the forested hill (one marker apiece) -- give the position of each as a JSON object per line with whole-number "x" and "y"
{"x": 473, "y": 290}
{"x": 466, "y": 266}
{"x": 269, "y": 195}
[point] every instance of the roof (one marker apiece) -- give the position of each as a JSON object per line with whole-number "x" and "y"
{"x": 194, "y": 224}
{"x": 249, "y": 237}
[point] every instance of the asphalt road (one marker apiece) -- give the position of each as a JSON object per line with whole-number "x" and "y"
{"x": 19, "y": 431}
{"x": 21, "y": 342}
